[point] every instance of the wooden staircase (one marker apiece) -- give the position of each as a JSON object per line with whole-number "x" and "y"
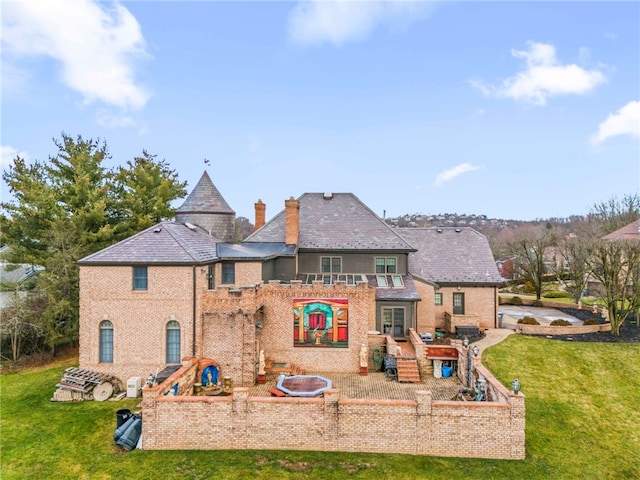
{"x": 408, "y": 370}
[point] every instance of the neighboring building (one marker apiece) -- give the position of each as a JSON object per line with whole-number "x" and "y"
{"x": 15, "y": 275}
{"x": 628, "y": 232}
{"x": 508, "y": 267}
{"x": 308, "y": 287}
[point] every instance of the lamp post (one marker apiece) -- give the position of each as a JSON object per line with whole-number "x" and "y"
{"x": 515, "y": 385}
{"x": 473, "y": 351}
{"x": 465, "y": 344}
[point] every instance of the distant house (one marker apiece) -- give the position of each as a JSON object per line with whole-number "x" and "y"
{"x": 310, "y": 286}
{"x": 508, "y": 267}
{"x": 628, "y": 232}
{"x": 16, "y": 275}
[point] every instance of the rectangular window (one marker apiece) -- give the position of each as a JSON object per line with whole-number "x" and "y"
{"x": 385, "y": 265}
{"x": 139, "y": 278}
{"x": 228, "y": 273}
{"x": 397, "y": 281}
{"x": 331, "y": 264}
{"x": 211, "y": 284}
{"x": 458, "y": 303}
{"x": 438, "y": 298}
{"x": 382, "y": 281}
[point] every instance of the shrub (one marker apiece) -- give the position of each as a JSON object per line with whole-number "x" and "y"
{"x": 556, "y": 294}
{"x": 591, "y": 321}
{"x": 528, "y": 321}
{"x": 537, "y": 303}
{"x": 516, "y": 301}
{"x": 529, "y": 288}
{"x": 560, "y": 322}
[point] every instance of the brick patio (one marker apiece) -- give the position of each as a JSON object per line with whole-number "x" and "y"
{"x": 375, "y": 386}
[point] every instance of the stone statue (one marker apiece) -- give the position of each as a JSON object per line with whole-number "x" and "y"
{"x": 261, "y": 363}
{"x": 364, "y": 356}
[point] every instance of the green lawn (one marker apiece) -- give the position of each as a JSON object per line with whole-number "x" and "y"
{"x": 583, "y": 422}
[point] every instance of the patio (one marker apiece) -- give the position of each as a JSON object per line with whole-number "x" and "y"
{"x": 374, "y": 386}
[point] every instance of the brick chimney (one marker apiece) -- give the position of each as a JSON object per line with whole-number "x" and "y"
{"x": 291, "y": 221}
{"x": 261, "y": 208}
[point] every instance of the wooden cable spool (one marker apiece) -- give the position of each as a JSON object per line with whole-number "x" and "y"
{"x": 103, "y": 392}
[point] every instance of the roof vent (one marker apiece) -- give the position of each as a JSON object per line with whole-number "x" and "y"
{"x": 157, "y": 230}
{"x": 328, "y": 195}
{"x": 439, "y": 230}
{"x": 458, "y": 230}
{"x": 190, "y": 226}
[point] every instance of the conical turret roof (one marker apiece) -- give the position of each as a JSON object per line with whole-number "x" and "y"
{"x": 205, "y": 198}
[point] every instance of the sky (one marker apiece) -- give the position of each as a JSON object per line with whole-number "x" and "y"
{"x": 515, "y": 110}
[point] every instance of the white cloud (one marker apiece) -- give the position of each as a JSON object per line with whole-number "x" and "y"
{"x": 339, "y": 21}
{"x": 544, "y": 77}
{"x": 452, "y": 173}
{"x": 95, "y": 45}
{"x": 8, "y": 154}
{"x": 625, "y": 121}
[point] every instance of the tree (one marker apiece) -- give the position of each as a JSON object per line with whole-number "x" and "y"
{"x": 244, "y": 228}
{"x": 530, "y": 246}
{"x": 608, "y": 216}
{"x": 573, "y": 270}
{"x": 72, "y": 206}
{"x": 144, "y": 192}
{"x": 20, "y": 329}
{"x": 616, "y": 264}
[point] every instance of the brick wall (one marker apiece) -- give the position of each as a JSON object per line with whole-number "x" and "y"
{"x": 230, "y": 336}
{"x": 276, "y": 336}
{"x": 559, "y": 330}
{"x": 480, "y": 304}
{"x": 332, "y": 423}
{"x": 139, "y": 317}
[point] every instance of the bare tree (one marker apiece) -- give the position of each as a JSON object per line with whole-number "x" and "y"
{"x": 608, "y": 216}
{"x": 18, "y": 328}
{"x": 530, "y": 245}
{"x": 616, "y": 264}
{"x": 573, "y": 271}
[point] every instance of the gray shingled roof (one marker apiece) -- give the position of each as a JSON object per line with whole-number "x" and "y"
{"x": 451, "y": 255}
{"x": 407, "y": 292}
{"x": 341, "y": 222}
{"x": 166, "y": 243}
{"x": 628, "y": 232}
{"x": 205, "y": 198}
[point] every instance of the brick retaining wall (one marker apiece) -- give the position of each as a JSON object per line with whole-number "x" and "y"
{"x": 330, "y": 423}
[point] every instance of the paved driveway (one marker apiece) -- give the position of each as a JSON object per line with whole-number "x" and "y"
{"x": 513, "y": 313}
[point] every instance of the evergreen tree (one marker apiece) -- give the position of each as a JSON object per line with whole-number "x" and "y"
{"x": 72, "y": 206}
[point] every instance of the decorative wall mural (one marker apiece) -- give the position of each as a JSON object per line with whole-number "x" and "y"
{"x": 321, "y": 322}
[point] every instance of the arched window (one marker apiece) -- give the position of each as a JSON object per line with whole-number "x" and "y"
{"x": 106, "y": 342}
{"x": 173, "y": 342}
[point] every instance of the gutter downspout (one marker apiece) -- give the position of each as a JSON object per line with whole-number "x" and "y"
{"x": 193, "y": 326}
{"x": 495, "y": 307}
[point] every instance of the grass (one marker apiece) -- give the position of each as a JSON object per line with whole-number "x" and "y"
{"x": 582, "y": 422}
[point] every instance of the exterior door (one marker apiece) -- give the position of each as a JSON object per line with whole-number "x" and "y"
{"x": 458, "y": 303}
{"x": 393, "y": 321}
